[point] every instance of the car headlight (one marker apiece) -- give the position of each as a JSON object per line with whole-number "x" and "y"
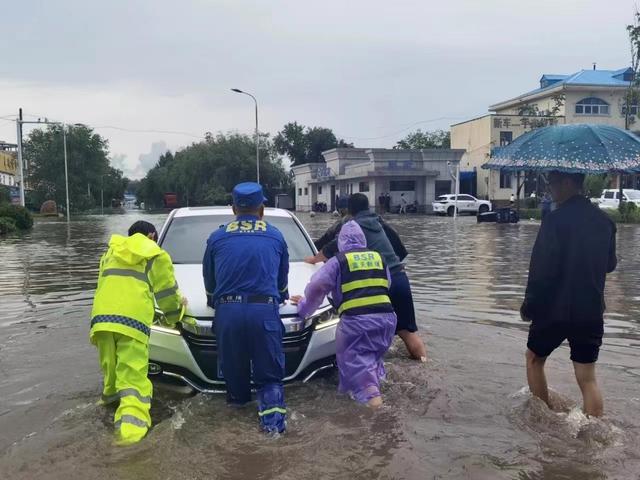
{"x": 326, "y": 319}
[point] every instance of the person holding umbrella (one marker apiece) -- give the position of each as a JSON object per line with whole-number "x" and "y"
{"x": 575, "y": 248}
{"x": 564, "y": 300}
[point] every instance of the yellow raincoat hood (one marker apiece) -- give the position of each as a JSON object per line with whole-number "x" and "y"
{"x": 132, "y": 250}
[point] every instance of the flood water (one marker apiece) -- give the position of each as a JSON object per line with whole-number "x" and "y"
{"x": 465, "y": 414}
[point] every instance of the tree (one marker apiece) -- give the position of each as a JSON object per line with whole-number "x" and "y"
{"x": 632, "y": 96}
{"x": 306, "y": 144}
{"x": 88, "y": 167}
{"x": 419, "y": 140}
{"x": 205, "y": 173}
{"x": 594, "y": 185}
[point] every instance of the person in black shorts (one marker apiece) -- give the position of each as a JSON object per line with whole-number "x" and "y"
{"x": 574, "y": 251}
{"x": 384, "y": 240}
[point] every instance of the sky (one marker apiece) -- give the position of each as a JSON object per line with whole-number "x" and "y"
{"x": 152, "y": 75}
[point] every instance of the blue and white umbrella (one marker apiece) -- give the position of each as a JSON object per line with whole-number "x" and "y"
{"x": 577, "y": 148}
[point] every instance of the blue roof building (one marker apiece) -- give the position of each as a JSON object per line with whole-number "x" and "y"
{"x": 586, "y": 96}
{"x": 611, "y": 83}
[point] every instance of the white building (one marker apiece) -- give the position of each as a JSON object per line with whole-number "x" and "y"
{"x": 421, "y": 175}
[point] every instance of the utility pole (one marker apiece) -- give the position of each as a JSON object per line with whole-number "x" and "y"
{"x": 66, "y": 172}
{"x": 20, "y": 122}
{"x": 20, "y": 161}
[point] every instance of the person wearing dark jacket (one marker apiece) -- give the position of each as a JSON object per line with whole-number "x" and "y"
{"x": 384, "y": 240}
{"x": 574, "y": 251}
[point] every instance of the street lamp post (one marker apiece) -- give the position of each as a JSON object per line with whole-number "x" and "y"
{"x": 456, "y": 178}
{"x": 237, "y": 90}
{"x": 66, "y": 170}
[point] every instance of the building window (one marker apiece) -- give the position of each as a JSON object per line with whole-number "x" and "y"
{"x": 506, "y": 138}
{"x": 363, "y": 186}
{"x": 300, "y": 192}
{"x": 402, "y": 186}
{"x": 505, "y": 179}
{"x": 443, "y": 187}
{"x": 319, "y": 189}
{"x": 306, "y": 191}
{"x": 592, "y": 106}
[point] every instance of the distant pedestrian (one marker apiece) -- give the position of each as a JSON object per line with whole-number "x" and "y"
{"x": 403, "y": 204}
{"x": 387, "y": 202}
{"x": 358, "y": 280}
{"x": 381, "y": 202}
{"x": 512, "y": 200}
{"x": 574, "y": 251}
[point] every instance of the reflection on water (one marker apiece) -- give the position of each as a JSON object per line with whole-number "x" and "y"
{"x": 463, "y": 415}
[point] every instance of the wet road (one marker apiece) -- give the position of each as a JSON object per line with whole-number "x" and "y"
{"x": 463, "y": 415}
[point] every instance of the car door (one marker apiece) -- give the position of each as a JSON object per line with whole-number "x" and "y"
{"x": 466, "y": 203}
{"x": 608, "y": 200}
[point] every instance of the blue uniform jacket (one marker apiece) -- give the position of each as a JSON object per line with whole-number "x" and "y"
{"x": 246, "y": 257}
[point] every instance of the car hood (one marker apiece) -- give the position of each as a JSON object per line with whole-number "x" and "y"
{"x": 189, "y": 277}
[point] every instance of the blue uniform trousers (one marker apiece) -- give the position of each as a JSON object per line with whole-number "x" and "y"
{"x": 250, "y": 346}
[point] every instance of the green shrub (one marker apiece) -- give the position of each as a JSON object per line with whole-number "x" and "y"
{"x": 527, "y": 213}
{"x": 628, "y": 213}
{"x": 5, "y": 197}
{"x": 20, "y": 215}
{"x": 7, "y": 225}
{"x": 594, "y": 185}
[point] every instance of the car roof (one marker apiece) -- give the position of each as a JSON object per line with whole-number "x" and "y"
{"x": 215, "y": 211}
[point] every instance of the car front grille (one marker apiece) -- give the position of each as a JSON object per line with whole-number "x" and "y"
{"x": 205, "y": 351}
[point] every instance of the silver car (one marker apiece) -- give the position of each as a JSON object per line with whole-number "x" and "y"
{"x": 188, "y": 354}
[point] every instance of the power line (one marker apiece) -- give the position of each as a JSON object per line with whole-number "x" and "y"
{"x": 132, "y": 130}
{"x": 401, "y": 131}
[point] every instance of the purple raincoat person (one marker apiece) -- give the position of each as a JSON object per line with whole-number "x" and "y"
{"x": 358, "y": 281}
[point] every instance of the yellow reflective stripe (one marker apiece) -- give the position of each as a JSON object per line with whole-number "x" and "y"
{"x": 124, "y": 272}
{"x": 286, "y": 287}
{"x": 369, "y": 282}
{"x": 273, "y": 410}
{"x": 167, "y": 292}
{"x": 363, "y": 302}
{"x": 130, "y": 419}
{"x": 132, "y": 392}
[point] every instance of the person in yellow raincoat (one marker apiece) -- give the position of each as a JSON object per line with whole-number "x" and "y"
{"x": 135, "y": 275}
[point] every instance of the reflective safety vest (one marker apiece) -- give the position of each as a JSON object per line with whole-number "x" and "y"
{"x": 135, "y": 275}
{"x": 365, "y": 286}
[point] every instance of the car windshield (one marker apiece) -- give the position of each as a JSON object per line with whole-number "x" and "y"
{"x": 632, "y": 194}
{"x": 186, "y": 238}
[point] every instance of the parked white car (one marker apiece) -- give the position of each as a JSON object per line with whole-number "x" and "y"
{"x": 610, "y": 198}
{"x": 445, "y": 205}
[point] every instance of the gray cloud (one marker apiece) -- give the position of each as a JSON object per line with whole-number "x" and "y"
{"x": 146, "y": 161}
{"x": 366, "y": 68}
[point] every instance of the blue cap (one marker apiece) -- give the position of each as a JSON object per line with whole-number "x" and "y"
{"x": 248, "y": 194}
{"x": 343, "y": 202}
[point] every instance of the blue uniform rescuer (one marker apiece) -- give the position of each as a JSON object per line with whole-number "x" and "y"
{"x": 245, "y": 269}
